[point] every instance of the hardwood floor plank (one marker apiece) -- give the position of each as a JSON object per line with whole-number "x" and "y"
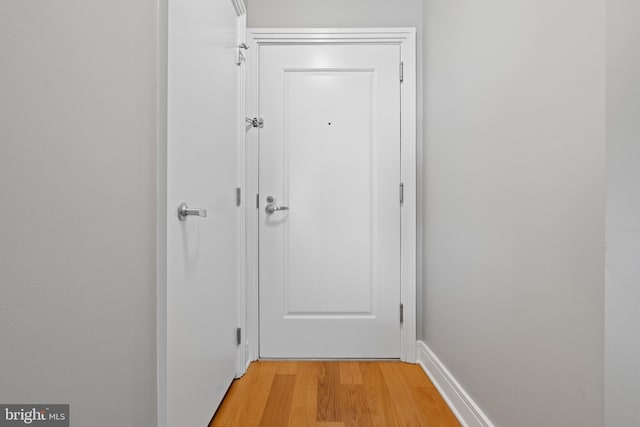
{"x": 287, "y": 367}
{"x": 328, "y": 382}
{"x": 435, "y": 410}
{"x": 401, "y": 395}
{"x": 304, "y": 405}
{"x": 350, "y": 373}
{"x": 276, "y": 410}
{"x": 415, "y": 376}
{"x": 426, "y": 397}
{"x": 256, "y": 398}
{"x": 383, "y": 412}
{"x": 354, "y": 409}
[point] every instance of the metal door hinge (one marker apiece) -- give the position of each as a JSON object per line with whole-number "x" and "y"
{"x": 238, "y": 196}
{"x": 401, "y": 193}
{"x": 401, "y": 314}
{"x": 240, "y": 57}
{"x": 401, "y": 72}
{"x": 257, "y": 201}
{"x": 238, "y": 336}
{"x": 256, "y": 122}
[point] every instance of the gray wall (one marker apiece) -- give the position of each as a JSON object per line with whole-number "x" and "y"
{"x": 622, "y": 322}
{"x": 334, "y": 13}
{"x": 77, "y": 219}
{"x": 514, "y": 101}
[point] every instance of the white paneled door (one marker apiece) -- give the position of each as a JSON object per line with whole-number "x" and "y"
{"x": 329, "y": 201}
{"x": 201, "y": 300}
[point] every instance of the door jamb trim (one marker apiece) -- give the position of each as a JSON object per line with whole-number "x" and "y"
{"x": 406, "y": 39}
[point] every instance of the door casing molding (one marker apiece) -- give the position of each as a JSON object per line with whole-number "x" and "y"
{"x": 405, "y": 38}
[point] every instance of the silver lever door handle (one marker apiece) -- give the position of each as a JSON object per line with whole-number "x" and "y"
{"x": 184, "y": 211}
{"x": 271, "y": 208}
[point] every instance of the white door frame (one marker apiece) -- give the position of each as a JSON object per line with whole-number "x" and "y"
{"x": 405, "y": 38}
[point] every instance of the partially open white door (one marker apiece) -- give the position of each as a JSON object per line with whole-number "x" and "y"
{"x": 330, "y": 212}
{"x": 201, "y": 283}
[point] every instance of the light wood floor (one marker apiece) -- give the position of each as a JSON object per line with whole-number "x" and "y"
{"x": 333, "y": 394}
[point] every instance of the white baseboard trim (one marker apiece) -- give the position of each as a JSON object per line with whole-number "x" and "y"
{"x": 465, "y": 409}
